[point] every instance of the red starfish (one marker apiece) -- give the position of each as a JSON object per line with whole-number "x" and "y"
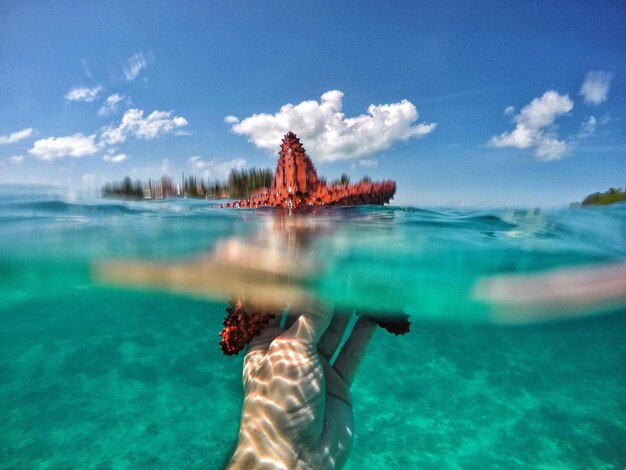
{"x": 296, "y": 185}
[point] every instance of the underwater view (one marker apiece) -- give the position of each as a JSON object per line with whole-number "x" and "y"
{"x": 95, "y": 374}
{"x": 297, "y": 235}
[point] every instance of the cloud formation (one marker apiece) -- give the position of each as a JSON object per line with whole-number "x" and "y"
{"x": 133, "y": 123}
{"x": 535, "y": 127}
{"x": 588, "y": 127}
{"x": 111, "y": 104}
{"x": 112, "y": 158}
{"x": 83, "y": 94}
{"x": 368, "y": 163}
{"x": 134, "y": 65}
{"x": 16, "y": 159}
{"x": 215, "y": 168}
{"x": 595, "y": 87}
{"x": 327, "y": 133}
{"x": 77, "y": 145}
{"x": 16, "y": 136}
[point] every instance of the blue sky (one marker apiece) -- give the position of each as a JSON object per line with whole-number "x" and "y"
{"x": 479, "y": 103}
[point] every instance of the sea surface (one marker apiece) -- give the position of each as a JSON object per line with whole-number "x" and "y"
{"x": 516, "y": 357}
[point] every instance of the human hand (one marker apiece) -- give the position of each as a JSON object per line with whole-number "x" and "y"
{"x": 297, "y": 411}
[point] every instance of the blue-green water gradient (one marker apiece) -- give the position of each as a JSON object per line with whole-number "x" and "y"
{"x": 93, "y": 376}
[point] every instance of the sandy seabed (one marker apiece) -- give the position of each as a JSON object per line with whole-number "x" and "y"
{"x": 106, "y": 379}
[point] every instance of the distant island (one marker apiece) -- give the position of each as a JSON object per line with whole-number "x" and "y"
{"x": 609, "y": 197}
{"x": 240, "y": 183}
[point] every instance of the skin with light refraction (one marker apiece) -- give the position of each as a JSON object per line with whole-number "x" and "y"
{"x": 297, "y": 412}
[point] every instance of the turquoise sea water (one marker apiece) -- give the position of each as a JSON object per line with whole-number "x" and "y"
{"x": 100, "y": 376}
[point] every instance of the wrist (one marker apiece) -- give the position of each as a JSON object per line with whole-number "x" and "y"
{"x": 246, "y": 457}
{"x": 242, "y": 461}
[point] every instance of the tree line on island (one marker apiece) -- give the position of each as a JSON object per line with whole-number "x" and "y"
{"x": 239, "y": 184}
{"x": 246, "y": 182}
{"x": 609, "y": 197}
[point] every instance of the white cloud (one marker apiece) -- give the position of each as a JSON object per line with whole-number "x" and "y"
{"x": 196, "y": 162}
{"x": 112, "y": 136}
{"x": 16, "y": 136}
{"x": 83, "y": 94}
{"x": 77, "y": 145}
{"x": 588, "y": 127}
{"x": 86, "y": 68}
{"x": 596, "y": 86}
{"x": 215, "y": 168}
{"x": 509, "y": 110}
{"x": 16, "y": 159}
{"x": 231, "y": 119}
{"x": 534, "y": 127}
{"x": 133, "y": 123}
{"x": 327, "y": 133}
{"x": 135, "y": 64}
{"x": 550, "y": 148}
{"x": 111, "y": 104}
{"x": 368, "y": 163}
{"x": 111, "y": 157}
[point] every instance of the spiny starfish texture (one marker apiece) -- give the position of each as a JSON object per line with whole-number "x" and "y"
{"x": 396, "y": 323}
{"x": 242, "y": 324}
{"x": 296, "y": 185}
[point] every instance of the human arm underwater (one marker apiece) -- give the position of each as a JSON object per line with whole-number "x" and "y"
{"x": 297, "y": 411}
